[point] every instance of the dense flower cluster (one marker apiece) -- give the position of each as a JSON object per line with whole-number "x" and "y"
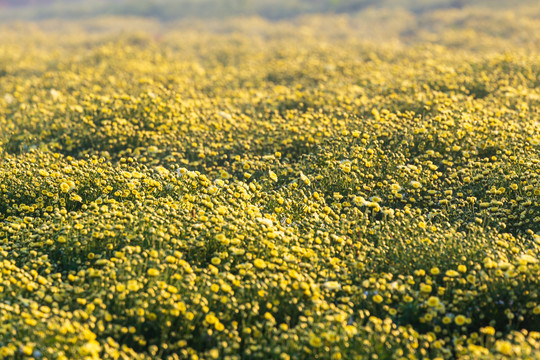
{"x": 278, "y": 195}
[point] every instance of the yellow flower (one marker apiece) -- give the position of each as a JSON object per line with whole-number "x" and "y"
{"x": 378, "y": 298}
{"x": 224, "y": 175}
{"x": 488, "y": 330}
{"x": 460, "y": 320}
{"x": 222, "y": 239}
{"x": 5, "y": 351}
{"x": 315, "y": 341}
{"x": 210, "y": 319}
{"x": 305, "y": 179}
{"x": 259, "y": 263}
{"x": 153, "y": 272}
{"x": 504, "y": 347}
{"x": 75, "y": 197}
{"x": 214, "y": 353}
{"x": 273, "y": 175}
{"x": 30, "y": 322}
{"x": 269, "y": 316}
{"x": 433, "y": 301}
{"x": 527, "y": 259}
{"x": 345, "y": 166}
{"x": 332, "y": 285}
{"x": 27, "y": 350}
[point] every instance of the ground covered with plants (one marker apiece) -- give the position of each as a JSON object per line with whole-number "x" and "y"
{"x": 241, "y": 190}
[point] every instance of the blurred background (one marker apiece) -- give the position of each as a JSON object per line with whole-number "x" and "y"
{"x": 498, "y": 25}
{"x": 167, "y": 10}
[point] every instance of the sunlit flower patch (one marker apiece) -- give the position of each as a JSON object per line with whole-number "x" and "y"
{"x": 261, "y": 196}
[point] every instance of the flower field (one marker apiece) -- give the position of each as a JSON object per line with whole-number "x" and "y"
{"x": 241, "y": 190}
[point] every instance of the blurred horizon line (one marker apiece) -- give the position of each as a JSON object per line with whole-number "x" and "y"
{"x": 168, "y": 10}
